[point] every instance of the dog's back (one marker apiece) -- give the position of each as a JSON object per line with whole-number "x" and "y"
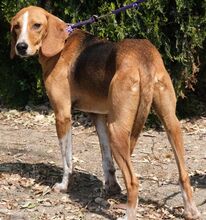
{"x": 97, "y": 60}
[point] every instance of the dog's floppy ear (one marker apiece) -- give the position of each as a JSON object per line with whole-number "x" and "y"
{"x": 13, "y": 41}
{"x": 55, "y": 37}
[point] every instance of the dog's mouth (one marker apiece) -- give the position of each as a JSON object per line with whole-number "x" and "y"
{"x": 26, "y": 54}
{"x": 23, "y": 55}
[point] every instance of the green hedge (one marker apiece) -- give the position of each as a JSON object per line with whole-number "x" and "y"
{"x": 176, "y": 27}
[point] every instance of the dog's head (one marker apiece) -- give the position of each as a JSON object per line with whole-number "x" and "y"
{"x": 35, "y": 29}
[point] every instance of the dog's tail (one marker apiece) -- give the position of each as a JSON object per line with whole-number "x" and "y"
{"x": 145, "y": 102}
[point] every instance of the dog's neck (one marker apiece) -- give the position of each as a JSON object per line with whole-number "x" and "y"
{"x": 47, "y": 63}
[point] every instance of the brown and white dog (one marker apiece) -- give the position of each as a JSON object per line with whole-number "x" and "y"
{"x": 116, "y": 82}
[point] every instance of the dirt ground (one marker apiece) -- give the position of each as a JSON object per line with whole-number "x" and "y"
{"x": 30, "y": 164}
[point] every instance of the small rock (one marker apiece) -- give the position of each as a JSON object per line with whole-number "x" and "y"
{"x": 98, "y": 200}
{"x": 101, "y": 202}
{"x": 65, "y": 199}
{"x": 39, "y": 117}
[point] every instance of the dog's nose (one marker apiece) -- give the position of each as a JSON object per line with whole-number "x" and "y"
{"x": 21, "y": 48}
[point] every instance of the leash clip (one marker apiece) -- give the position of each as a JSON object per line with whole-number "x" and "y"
{"x": 95, "y": 18}
{"x": 69, "y": 28}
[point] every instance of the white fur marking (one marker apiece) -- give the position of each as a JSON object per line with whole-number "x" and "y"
{"x": 104, "y": 142}
{"x": 23, "y": 37}
{"x": 66, "y": 150}
{"x": 130, "y": 214}
{"x": 184, "y": 195}
{"x": 135, "y": 87}
{"x": 156, "y": 79}
{"x": 189, "y": 206}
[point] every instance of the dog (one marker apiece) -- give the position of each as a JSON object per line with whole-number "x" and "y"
{"x": 116, "y": 82}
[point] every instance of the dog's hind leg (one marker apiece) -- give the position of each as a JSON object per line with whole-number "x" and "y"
{"x": 111, "y": 185}
{"x": 124, "y": 99}
{"x": 165, "y": 106}
{"x": 119, "y": 132}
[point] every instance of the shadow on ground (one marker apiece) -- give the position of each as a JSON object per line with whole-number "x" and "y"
{"x": 198, "y": 180}
{"x": 84, "y": 187}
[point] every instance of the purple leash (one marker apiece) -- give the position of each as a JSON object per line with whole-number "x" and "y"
{"x": 96, "y": 18}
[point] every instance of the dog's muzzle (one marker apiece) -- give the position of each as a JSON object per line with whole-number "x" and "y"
{"x": 22, "y": 48}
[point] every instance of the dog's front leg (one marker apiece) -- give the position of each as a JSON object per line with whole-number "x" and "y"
{"x": 63, "y": 126}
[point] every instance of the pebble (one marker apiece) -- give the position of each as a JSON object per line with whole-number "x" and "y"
{"x": 101, "y": 202}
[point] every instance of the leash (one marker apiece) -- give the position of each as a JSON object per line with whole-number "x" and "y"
{"x": 96, "y": 18}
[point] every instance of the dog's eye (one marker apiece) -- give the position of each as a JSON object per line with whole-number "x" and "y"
{"x": 36, "y": 26}
{"x": 16, "y": 27}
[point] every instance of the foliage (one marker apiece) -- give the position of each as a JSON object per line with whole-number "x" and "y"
{"x": 176, "y": 27}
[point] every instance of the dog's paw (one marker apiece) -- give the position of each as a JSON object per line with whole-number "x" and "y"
{"x": 127, "y": 217}
{"x": 130, "y": 212}
{"x": 112, "y": 189}
{"x": 192, "y": 213}
{"x": 60, "y": 187}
